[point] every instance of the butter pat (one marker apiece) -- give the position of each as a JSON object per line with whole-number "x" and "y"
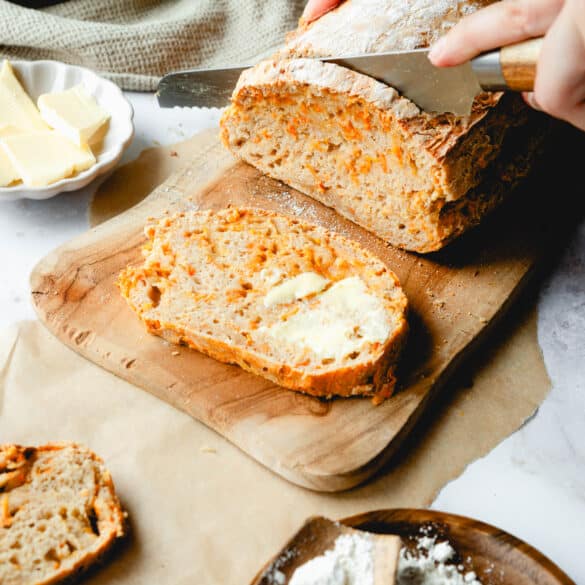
{"x": 342, "y": 321}
{"x": 43, "y": 158}
{"x": 16, "y": 108}
{"x": 299, "y": 287}
{"x": 8, "y": 174}
{"x": 9, "y": 131}
{"x": 75, "y": 114}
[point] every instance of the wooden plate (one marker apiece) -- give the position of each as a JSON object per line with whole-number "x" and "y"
{"x": 498, "y": 558}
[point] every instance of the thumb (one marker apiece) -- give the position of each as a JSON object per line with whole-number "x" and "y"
{"x": 317, "y": 8}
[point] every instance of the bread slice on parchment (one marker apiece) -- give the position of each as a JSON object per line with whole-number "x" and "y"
{"x": 287, "y": 300}
{"x": 415, "y": 179}
{"x": 58, "y": 512}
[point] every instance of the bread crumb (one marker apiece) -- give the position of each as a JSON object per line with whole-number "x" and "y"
{"x": 174, "y": 153}
{"x": 175, "y": 353}
{"x": 207, "y": 449}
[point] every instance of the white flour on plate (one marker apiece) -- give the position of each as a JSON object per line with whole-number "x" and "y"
{"x": 351, "y": 562}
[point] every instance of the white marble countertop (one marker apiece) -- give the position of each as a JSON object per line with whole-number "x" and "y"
{"x": 532, "y": 484}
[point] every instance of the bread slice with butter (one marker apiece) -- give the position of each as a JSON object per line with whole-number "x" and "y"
{"x": 290, "y": 301}
{"x": 59, "y": 512}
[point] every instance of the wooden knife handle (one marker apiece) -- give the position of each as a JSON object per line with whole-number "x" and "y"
{"x": 511, "y": 68}
{"x": 518, "y": 63}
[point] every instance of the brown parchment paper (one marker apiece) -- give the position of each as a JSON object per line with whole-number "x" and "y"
{"x": 200, "y": 510}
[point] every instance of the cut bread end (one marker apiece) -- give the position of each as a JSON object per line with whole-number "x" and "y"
{"x": 59, "y": 512}
{"x": 416, "y": 180}
{"x": 290, "y": 301}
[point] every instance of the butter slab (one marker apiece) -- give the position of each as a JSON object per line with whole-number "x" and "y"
{"x": 42, "y": 158}
{"x": 8, "y": 174}
{"x": 16, "y": 108}
{"x": 75, "y": 114}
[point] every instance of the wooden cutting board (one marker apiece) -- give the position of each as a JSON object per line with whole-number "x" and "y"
{"x": 455, "y": 295}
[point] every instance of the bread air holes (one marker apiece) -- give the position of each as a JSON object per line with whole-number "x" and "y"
{"x": 93, "y": 523}
{"x": 153, "y": 294}
{"x": 354, "y": 355}
{"x": 327, "y": 361}
{"x": 51, "y": 555}
{"x": 14, "y": 560}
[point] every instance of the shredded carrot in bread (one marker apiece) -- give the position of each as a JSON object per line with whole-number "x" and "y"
{"x": 6, "y": 517}
{"x": 397, "y": 152}
{"x": 382, "y": 160}
{"x": 350, "y": 132}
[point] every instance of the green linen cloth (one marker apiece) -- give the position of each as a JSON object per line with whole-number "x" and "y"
{"x": 135, "y": 42}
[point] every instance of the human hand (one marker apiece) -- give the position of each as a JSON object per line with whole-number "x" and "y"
{"x": 317, "y": 8}
{"x": 559, "y": 87}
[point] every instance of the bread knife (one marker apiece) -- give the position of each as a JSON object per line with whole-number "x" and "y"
{"x": 433, "y": 89}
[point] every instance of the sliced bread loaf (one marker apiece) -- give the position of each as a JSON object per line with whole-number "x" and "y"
{"x": 416, "y": 179}
{"x": 287, "y": 300}
{"x": 58, "y": 512}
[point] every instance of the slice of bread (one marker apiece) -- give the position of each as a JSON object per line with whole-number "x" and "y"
{"x": 287, "y": 300}
{"x": 58, "y": 512}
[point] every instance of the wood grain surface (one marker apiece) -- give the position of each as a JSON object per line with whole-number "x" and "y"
{"x": 498, "y": 558}
{"x": 330, "y": 446}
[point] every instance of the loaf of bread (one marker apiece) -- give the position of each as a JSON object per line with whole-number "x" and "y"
{"x": 58, "y": 512}
{"x": 287, "y": 300}
{"x": 415, "y": 179}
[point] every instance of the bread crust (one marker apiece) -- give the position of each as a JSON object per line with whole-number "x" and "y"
{"x": 17, "y": 466}
{"x": 371, "y": 377}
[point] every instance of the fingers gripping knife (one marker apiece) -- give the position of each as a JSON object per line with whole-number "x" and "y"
{"x": 434, "y": 89}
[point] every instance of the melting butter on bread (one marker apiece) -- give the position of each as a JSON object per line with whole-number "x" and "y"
{"x": 287, "y": 300}
{"x": 59, "y": 512}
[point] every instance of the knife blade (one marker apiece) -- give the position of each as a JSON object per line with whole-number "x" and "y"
{"x": 433, "y": 89}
